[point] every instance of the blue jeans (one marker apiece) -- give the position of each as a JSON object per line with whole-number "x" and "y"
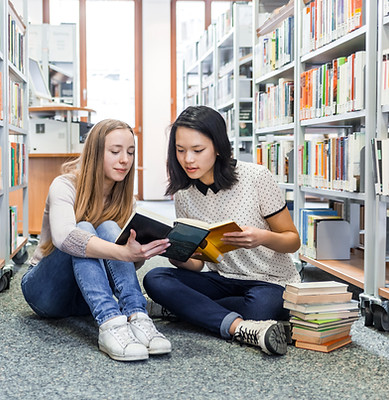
{"x": 212, "y": 301}
{"x": 61, "y": 285}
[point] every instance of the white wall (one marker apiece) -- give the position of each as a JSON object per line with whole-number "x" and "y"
{"x": 34, "y": 11}
{"x": 156, "y": 96}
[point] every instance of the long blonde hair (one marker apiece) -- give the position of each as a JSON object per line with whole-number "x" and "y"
{"x": 88, "y": 174}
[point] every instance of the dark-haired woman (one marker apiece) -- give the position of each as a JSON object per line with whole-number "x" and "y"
{"x": 241, "y": 297}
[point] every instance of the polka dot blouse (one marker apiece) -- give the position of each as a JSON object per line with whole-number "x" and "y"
{"x": 255, "y": 197}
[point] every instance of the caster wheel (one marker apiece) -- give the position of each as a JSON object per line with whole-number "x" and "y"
{"x": 20, "y": 257}
{"x": 369, "y": 317}
{"x": 381, "y": 319}
{"x": 4, "y": 282}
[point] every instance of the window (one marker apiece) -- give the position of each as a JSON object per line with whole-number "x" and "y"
{"x": 64, "y": 11}
{"x": 218, "y": 8}
{"x": 110, "y": 59}
{"x": 190, "y": 25}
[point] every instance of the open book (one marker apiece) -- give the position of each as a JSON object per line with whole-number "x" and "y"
{"x": 187, "y": 236}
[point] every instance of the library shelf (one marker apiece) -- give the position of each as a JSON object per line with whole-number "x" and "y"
{"x": 248, "y": 58}
{"x": 275, "y": 129}
{"x": 333, "y": 194}
{"x": 272, "y": 75}
{"x": 384, "y": 292}
{"x": 349, "y": 270}
{"x": 13, "y": 130}
{"x": 21, "y": 241}
{"x": 60, "y": 109}
{"x": 346, "y": 119}
{"x": 349, "y": 43}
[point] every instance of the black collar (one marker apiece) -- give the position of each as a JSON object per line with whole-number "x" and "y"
{"x": 203, "y": 188}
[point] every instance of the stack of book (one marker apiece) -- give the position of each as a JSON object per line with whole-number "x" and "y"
{"x": 321, "y": 314}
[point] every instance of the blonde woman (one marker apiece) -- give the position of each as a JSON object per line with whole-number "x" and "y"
{"x": 77, "y": 269}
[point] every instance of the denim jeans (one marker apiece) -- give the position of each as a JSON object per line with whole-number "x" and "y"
{"x": 212, "y": 301}
{"x": 61, "y": 285}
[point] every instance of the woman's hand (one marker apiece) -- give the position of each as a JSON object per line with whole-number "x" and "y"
{"x": 282, "y": 237}
{"x": 249, "y": 238}
{"x": 191, "y": 264}
{"x": 140, "y": 252}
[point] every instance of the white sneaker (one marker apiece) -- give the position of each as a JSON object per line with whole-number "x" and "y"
{"x": 118, "y": 341}
{"x": 144, "y": 330}
{"x": 268, "y": 335}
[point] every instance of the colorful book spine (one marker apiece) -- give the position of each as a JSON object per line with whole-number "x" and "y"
{"x": 327, "y": 20}
{"x": 333, "y": 88}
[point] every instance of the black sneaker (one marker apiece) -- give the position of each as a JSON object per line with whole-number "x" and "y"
{"x": 268, "y": 335}
{"x": 155, "y": 310}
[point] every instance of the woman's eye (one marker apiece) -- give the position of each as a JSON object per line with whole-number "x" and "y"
{"x": 114, "y": 152}
{"x": 180, "y": 151}
{"x": 130, "y": 154}
{"x": 199, "y": 151}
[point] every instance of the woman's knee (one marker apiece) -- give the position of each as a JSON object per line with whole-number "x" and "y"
{"x": 152, "y": 280}
{"x": 108, "y": 230}
{"x": 86, "y": 226}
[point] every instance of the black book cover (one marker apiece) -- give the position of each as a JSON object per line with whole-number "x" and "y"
{"x": 184, "y": 238}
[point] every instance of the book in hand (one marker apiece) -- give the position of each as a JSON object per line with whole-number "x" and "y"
{"x": 316, "y": 298}
{"x": 186, "y": 236}
{"x": 325, "y": 347}
{"x": 324, "y": 287}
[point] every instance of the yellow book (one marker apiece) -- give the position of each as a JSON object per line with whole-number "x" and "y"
{"x": 213, "y": 248}
{"x": 188, "y": 237}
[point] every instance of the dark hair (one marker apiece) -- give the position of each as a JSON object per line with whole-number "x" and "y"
{"x": 211, "y": 124}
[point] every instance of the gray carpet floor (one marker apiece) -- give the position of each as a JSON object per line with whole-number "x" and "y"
{"x": 59, "y": 359}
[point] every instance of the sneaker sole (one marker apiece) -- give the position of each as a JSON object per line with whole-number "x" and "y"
{"x": 160, "y": 351}
{"x": 275, "y": 339}
{"x": 124, "y": 358}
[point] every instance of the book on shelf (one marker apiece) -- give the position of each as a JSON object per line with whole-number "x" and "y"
{"x": 385, "y": 167}
{"x": 319, "y": 316}
{"x": 324, "y": 235}
{"x": 275, "y": 157}
{"x": 325, "y": 347}
{"x": 377, "y": 164}
{"x": 316, "y": 298}
{"x": 13, "y": 220}
{"x": 304, "y": 213}
{"x": 351, "y": 305}
{"x": 335, "y": 87}
{"x": 380, "y": 155}
{"x": 332, "y": 163}
{"x": 324, "y": 287}
{"x": 186, "y": 236}
{"x": 322, "y": 25}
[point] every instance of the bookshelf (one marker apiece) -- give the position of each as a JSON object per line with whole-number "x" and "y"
{"x": 55, "y": 48}
{"x": 218, "y": 73}
{"x": 13, "y": 136}
{"x": 367, "y": 268}
{"x": 377, "y": 303}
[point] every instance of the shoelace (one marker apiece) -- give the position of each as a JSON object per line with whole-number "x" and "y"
{"x": 122, "y": 335}
{"x": 147, "y": 326}
{"x": 247, "y": 336}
